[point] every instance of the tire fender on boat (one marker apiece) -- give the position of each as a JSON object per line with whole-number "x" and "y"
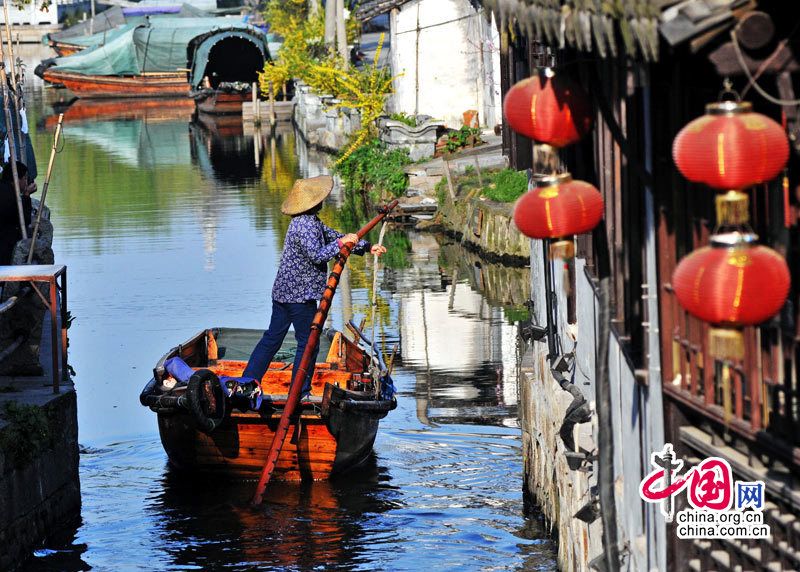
{"x": 206, "y": 400}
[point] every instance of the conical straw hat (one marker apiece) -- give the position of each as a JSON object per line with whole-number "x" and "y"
{"x": 306, "y": 194}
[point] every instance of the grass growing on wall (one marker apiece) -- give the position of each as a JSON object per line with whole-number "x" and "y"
{"x": 503, "y": 186}
{"x": 27, "y": 433}
{"x": 507, "y": 186}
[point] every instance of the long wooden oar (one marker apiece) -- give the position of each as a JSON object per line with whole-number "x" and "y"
{"x": 302, "y": 370}
{"x": 53, "y": 152}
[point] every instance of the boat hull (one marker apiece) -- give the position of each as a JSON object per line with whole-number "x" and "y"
{"x": 151, "y": 85}
{"x": 221, "y": 103}
{"x": 332, "y": 431}
{"x": 238, "y": 448}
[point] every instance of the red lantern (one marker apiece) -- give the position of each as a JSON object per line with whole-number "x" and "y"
{"x": 730, "y": 147}
{"x": 732, "y": 283}
{"x": 559, "y": 207}
{"x": 549, "y": 109}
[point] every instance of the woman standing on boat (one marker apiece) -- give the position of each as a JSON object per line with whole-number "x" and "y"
{"x": 308, "y": 246}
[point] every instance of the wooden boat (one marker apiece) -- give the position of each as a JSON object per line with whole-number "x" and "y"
{"x": 333, "y": 432}
{"x": 220, "y": 102}
{"x": 161, "y": 57}
{"x": 168, "y": 84}
{"x": 63, "y": 48}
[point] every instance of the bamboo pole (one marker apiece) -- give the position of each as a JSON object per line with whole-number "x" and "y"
{"x": 11, "y": 145}
{"x": 53, "y": 151}
{"x": 14, "y": 84}
{"x": 299, "y": 376}
{"x": 375, "y": 292}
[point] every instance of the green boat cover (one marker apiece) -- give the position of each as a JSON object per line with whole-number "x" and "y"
{"x": 162, "y": 44}
{"x": 101, "y": 38}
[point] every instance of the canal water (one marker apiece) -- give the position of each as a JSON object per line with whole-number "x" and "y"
{"x": 169, "y": 225}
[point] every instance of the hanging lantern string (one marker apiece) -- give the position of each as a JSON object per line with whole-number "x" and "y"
{"x": 727, "y": 89}
{"x": 753, "y": 80}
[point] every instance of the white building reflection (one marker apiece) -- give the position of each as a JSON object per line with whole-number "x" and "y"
{"x": 462, "y": 350}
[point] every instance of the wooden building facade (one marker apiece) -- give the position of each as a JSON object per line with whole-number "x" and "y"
{"x": 669, "y": 61}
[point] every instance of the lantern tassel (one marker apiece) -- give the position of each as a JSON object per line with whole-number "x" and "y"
{"x": 726, "y": 344}
{"x": 787, "y": 212}
{"x": 727, "y": 402}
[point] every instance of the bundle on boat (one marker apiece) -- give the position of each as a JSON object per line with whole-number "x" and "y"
{"x": 212, "y": 419}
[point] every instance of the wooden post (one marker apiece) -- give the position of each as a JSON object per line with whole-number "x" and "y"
{"x": 341, "y": 34}
{"x": 53, "y": 151}
{"x": 10, "y": 134}
{"x": 330, "y": 24}
{"x": 256, "y": 106}
{"x": 272, "y": 118}
{"x": 305, "y": 363}
{"x": 449, "y": 176}
{"x": 478, "y": 170}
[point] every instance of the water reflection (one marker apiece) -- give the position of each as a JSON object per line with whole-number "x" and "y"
{"x": 171, "y": 224}
{"x": 462, "y": 350}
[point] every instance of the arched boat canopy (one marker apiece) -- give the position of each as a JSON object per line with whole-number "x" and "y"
{"x": 235, "y": 55}
{"x": 162, "y": 45}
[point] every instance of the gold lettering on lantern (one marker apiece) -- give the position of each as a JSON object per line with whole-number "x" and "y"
{"x": 550, "y": 192}
{"x": 533, "y": 108}
{"x": 721, "y": 153}
{"x": 739, "y": 259}
{"x": 753, "y": 122}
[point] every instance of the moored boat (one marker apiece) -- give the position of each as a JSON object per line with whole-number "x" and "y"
{"x": 226, "y": 99}
{"x": 171, "y": 84}
{"x": 164, "y": 57}
{"x": 332, "y": 430}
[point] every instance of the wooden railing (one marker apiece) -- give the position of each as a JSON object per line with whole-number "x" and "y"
{"x": 760, "y": 396}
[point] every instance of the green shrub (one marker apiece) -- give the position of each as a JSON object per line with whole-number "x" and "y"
{"x": 27, "y": 433}
{"x": 516, "y": 314}
{"x": 375, "y": 170}
{"x": 403, "y": 117}
{"x": 464, "y": 137}
{"x": 507, "y": 186}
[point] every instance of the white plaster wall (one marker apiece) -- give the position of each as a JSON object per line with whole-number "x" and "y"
{"x": 635, "y": 419}
{"x": 449, "y": 66}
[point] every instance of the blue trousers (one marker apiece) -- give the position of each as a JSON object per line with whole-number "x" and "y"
{"x": 283, "y": 315}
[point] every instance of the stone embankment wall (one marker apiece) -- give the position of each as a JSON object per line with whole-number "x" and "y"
{"x": 43, "y": 493}
{"x": 321, "y": 123}
{"x": 486, "y": 226}
{"x": 39, "y": 483}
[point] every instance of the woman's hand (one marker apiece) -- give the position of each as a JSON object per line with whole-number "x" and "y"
{"x": 349, "y": 238}
{"x": 378, "y": 249}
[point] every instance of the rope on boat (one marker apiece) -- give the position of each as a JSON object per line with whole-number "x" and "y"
{"x": 375, "y": 294}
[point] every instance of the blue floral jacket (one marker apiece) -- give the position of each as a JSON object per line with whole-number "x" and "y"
{"x": 303, "y": 269}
